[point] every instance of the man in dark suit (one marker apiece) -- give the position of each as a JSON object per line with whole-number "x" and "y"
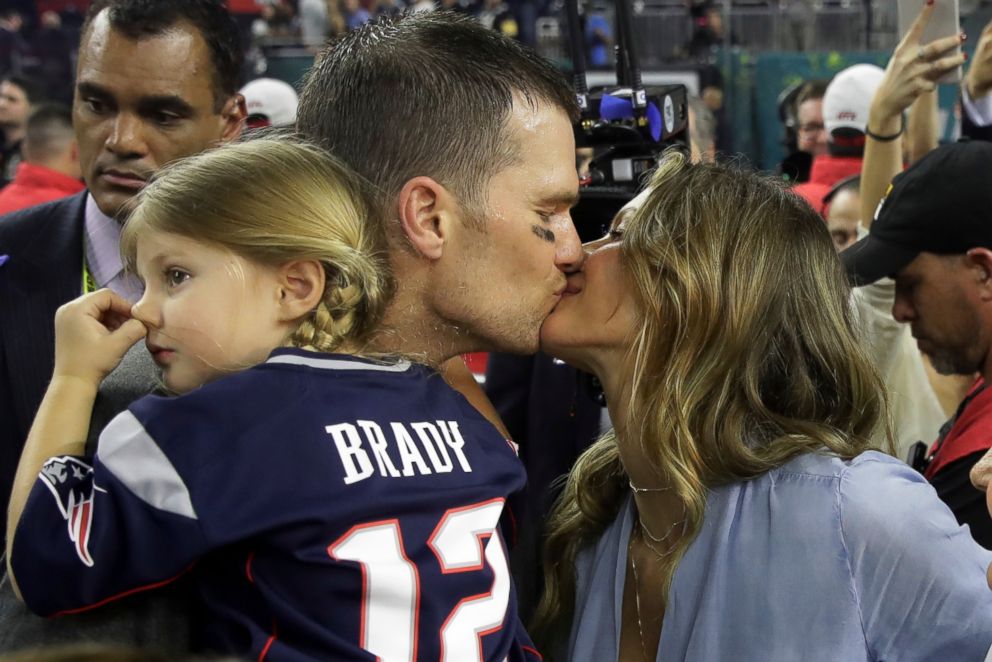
{"x": 553, "y": 412}
{"x": 156, "y": 81}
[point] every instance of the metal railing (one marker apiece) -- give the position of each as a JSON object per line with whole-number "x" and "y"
{"x": 663, "y": 28}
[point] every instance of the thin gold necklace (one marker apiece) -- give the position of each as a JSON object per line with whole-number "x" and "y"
{"x": 636, "y": 489}
{"x": 637, "y": 601}
{"x": 641, "y": 490}
{"x": 662, "y": 556}
{"x": 662, "y": 540}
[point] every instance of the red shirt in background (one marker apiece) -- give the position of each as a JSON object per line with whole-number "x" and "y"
{"x": 35, "y": 184}
{"x": 827, "y": 170}
{"x": 971, "y": 431}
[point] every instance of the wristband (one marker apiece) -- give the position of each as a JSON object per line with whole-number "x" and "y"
{"x": 889, "y": 138}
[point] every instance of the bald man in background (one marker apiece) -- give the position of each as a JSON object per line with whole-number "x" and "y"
{"x": 50, "y": 168}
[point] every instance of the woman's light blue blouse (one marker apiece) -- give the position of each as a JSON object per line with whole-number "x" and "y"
{"x": 821, "y": 559}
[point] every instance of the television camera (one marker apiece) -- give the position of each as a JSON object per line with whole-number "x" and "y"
{"x": 629, "y": 125}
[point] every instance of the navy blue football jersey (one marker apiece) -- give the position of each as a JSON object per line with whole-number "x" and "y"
{"x": 330, "y": 508}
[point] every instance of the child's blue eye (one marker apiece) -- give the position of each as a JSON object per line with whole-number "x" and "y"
{"x": 176, "y": 276}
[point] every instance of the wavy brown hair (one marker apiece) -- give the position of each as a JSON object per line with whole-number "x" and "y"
{"x": 746, "y": 355}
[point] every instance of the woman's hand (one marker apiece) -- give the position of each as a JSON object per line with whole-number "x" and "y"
{"x": 913, "y": 69}
{"x": 92, "y": 334}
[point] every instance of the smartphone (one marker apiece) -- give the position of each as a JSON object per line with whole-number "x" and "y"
{"x": 944, "y": 22}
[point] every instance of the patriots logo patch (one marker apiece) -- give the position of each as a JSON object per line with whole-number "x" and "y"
{"x": 70, "y": 480}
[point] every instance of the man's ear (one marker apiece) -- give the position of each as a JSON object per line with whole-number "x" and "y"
{"x": 301, "y": 287}
{"x": 232, "y": 117}
{"x": 425, "y": 207}
{"x": 980, "y": 262}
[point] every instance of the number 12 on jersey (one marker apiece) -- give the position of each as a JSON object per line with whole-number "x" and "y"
{"x": 464, "y": 540}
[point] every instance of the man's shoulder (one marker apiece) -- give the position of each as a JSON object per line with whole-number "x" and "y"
{"x": 970, "y": 432}
{"x": 30, "y": 222}
{"x": 43, "y": 237}
{"x": 974, "y": 416}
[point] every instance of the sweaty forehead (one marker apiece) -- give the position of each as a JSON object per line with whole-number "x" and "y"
{"x": 174, "y": 62}
{"x": 541, "y": 135}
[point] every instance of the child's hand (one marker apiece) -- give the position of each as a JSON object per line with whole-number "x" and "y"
{"x": 92, "y": 334}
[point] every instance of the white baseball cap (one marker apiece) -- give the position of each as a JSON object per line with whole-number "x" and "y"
{"x": 848, "y": 97}
{"x": 270, "y": 102}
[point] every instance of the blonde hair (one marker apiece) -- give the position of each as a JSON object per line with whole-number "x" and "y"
{"x": 274, "y": 200}
{"x": 746, "y": 355}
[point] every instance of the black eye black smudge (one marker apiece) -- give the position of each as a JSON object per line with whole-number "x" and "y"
{"x": 543, "y": 233}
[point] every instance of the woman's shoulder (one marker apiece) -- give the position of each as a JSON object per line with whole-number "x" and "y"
{"x": 866, "y": 466}
{"x": 881, "y": 498}
{"x": 826, "y": 496}
{"x": 814, "y": 478}
{"x": 867, "y": 531}
{"x": 874, "y": 485}
{"x": 886, "y": 507}
{"x": 871, "y": 486}
{"x": 912, "y": 564}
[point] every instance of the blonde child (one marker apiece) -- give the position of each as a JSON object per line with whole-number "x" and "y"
{"x": 330, "y": 502}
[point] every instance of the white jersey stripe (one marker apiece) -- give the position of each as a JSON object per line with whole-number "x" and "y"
{"x": 132, "y": 456}
{"x": 338, "y": 364}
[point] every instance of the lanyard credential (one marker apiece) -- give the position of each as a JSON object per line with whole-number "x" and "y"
{"x": 89, "y": 284}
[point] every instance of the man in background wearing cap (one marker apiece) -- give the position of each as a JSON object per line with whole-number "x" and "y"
{"x": 270, "y": 102}
{"x": 845, "y": 116}
{"x": 914, "y": 408}
{"x": 933, "y": 234}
